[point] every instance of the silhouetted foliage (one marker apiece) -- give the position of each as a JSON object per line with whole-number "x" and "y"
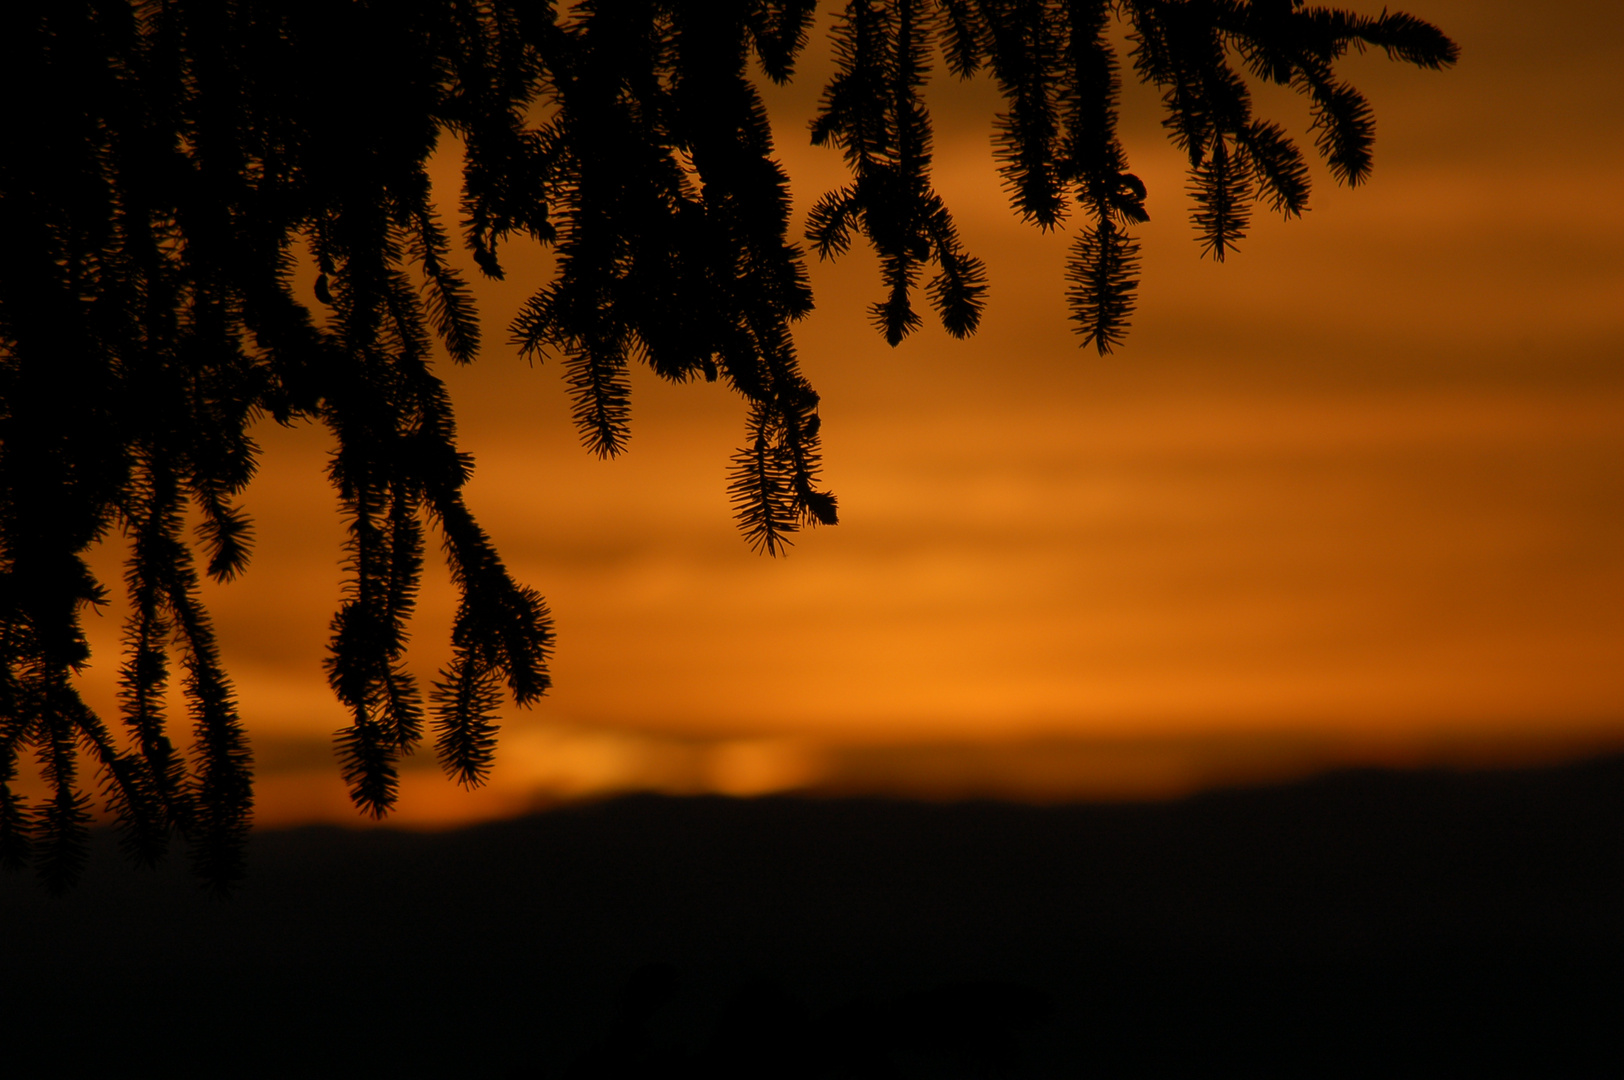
{"x": 170, "y": 162}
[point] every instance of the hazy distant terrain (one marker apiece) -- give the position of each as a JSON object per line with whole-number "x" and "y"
{"x": 1359, "y": 921}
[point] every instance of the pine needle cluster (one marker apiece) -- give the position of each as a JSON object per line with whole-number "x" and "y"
{"x": 1056, "y": 139}
{"x": 174, "y": 158}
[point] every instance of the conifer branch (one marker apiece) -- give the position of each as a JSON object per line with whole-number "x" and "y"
{"x": 1103, "y": 277}
{"x": 61, "y": 825}
{"x": 18, "y": 718}
{"x": 1025, "y": 58}
{"x": 1278, "y": 165}
{"x": 1222, "y": 190}
{"x": 178, "y": 159}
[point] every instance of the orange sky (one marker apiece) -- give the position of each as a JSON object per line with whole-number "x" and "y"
{"x": 1355, "y": 495}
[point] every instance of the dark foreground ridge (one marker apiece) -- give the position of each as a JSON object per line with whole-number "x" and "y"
{"x": 1361, "y": 922}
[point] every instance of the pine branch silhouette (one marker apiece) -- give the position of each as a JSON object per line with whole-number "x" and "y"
{"x": 175, "y": 162}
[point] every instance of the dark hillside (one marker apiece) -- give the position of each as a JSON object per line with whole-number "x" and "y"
{"x": 1371, "y": 921}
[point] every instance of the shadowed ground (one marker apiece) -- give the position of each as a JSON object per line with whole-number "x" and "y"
{"x": 1426, "y": 922}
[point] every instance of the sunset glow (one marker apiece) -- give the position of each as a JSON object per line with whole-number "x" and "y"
{"x": 1354, "y": 495}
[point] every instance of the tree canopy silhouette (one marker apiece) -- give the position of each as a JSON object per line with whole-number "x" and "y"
{"x": 170, "y": 161}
